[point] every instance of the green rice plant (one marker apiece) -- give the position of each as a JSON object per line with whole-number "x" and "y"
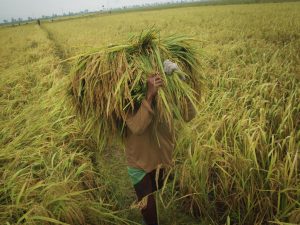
{"x": 109, "y": 83}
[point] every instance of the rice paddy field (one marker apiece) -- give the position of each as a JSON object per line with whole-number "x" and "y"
{"x": 236, "y": 162}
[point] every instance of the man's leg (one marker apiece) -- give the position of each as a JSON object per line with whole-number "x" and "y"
{"x": 157, "y": 179}
{"x": 142, "y": 189}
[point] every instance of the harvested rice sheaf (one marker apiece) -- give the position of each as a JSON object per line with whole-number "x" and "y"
{"x": 109, "y": 83}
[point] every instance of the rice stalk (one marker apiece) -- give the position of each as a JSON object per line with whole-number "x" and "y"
{"x": 113, "y": 82}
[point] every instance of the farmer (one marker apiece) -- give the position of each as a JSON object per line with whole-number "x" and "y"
{"x": 148, "y": 154}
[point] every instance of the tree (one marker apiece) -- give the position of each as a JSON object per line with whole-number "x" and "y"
{"x": 5, "y": 21}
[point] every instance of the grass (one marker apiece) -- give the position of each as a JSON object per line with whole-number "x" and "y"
{"x": 237, "y": 162}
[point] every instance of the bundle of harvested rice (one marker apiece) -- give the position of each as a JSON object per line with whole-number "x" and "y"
{"x": 110, "y": 82}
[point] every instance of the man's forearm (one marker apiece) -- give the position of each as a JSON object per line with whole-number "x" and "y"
{"x": 149, "y": 99}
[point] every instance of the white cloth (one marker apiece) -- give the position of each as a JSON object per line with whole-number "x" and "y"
{"x": 169, "y": 67}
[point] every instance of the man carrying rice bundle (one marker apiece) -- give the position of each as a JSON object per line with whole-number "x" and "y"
{"x": 147, "y": 156}
{"x": 127, "y": 91}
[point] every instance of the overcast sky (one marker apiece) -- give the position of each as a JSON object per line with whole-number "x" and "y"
{"x": 36, "y": 8}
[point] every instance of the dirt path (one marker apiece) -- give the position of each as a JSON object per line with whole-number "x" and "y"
{"x": 58, "y": 50}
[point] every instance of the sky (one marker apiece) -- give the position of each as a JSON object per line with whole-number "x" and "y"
{"x": 37, "y": 8}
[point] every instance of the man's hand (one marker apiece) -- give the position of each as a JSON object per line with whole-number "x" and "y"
{"x": 153, "y": 83}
